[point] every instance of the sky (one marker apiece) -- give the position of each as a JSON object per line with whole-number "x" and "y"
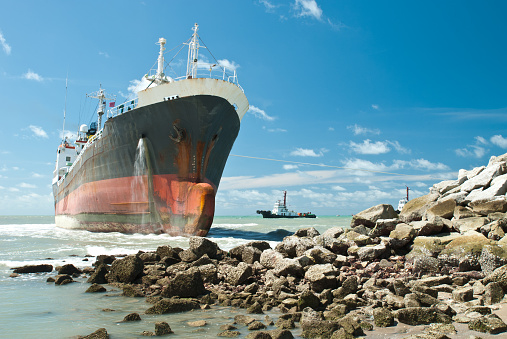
{"x": 350, "y": 101}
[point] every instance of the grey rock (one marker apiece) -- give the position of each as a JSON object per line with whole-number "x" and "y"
{"x": 370, "y": 216}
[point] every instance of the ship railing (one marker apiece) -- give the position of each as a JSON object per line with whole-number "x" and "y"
{"x": 207, "y": 70}
{"x": 90, "y": 142}
{"x": 122, "y": 108}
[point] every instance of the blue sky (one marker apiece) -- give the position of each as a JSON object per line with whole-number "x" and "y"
{"x": 384, "y": 94}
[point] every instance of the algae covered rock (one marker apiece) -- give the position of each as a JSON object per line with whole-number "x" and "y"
{"x": 422, "y": 316}
{"x": 415, "y": 208}
{"x": 491, "y": 324}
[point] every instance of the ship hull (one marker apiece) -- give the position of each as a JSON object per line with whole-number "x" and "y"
{"x": 154, "y": 169}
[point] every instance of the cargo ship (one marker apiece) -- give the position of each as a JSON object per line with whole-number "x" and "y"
{"x": 155, "y": 164}
{"x": 280, "y": 210}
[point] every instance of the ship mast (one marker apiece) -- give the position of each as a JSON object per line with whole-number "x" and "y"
{"x": 193, "y": 53}
{"x": 101, "y": 95}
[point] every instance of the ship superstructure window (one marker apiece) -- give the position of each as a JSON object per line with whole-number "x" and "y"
{"x": 67, "y": 158}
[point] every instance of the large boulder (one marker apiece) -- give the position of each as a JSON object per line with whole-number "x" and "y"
{"x": 484, "y": 178}
{"x": 186, "y": 284}
{"x": 43, "y": 268}
{"x": 464, "y": 251}
{"x": 469, "y": 224}
{"x": 402, "y": 235}
{"x": 294, "y": 246}
{"x": 125, "y": 270}
{"x": 201, "y": 246}
{"x": 236, "y": 275}
{"x": 384, "y": 226}
{"x": 322, "y": 277}
{"x": 172, "y": 305}
{"x": 414, "y": 209}
{"x": 426, "y": 227}
{"x": 370, "y": 216}
{"x": 421, "y": 316}
{"x": 443, "y": 209}
{"x": 488, "y": 206}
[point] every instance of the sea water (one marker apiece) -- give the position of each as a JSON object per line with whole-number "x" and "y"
{"x": 32, "y": 308}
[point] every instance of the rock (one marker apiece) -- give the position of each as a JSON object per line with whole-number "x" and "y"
{"x": 487, "y": 206}
{"x": 370, "y": 216}
{"x": 321, "y": 255}
{"x": 463, "y": 294}
{"x": 256, "y": 325}
{"x": 491, "y": 324}
{"x": 425, "y": 227}
{"x": 321, "y": 277}
{"x": 243, "y": 319}
{"x": 493, "y": 293}
{"x": 293, "y": 246}
{"x": 236, "y": 275}
{"x": 462, "y": 212}
{"x": 492, "y": 257}
{"x": 95, "y": 288}
{"x": 125, "y": 270}
{"x": 484, "y": 178}
{"x": 424, "y": 265}
{"x": 370, "y": 253}
{"x": 255, "y": 308}
{"x": 258, "y": 335}
{"x": 383, "y": 317}
{"x": 148, "y": 334}
{"x": 402, "y": 235}
{"x": 208, "y": 273}
{"x": 469, "y": 224}
{"x": 383, "y": 227}
{"x": 133, "y": 291}
{"x": 228, "y": 334}
{"x": 197, "y": 323}
{"x": 186, "y": 284}
{"x": 172, "y": 305}
{"x": 313, "y": 328}
{"x": 101, "y": 333}
{"x": 421, "y": 316}
{"x": 499, "y": 275}
{"x": 201, "y": 246}
{"x": 443, "y": 209}
{"x": 307, "y": 232}
{"x": 162, "y": 328}
{"x": 281, "y": 334}
{"x": 132, "y": 317}
{"x": 355, "y": 238}
{"x": 308, "y": 299}
{"x": 251, "y": 254}
{"x": 285, "y": 323}
{"x": 288, "y": 267}
{"x": 99, "y": 275}
{"x": 269, "y": 258}
{"x": 68, "y": 269}
{"x": 43, "y": 268}
{"x": 63, "y": 279}
{"x": 464, "y": 251}
{"x": 415, "y": 208}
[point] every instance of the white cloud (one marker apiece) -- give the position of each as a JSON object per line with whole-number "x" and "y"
{"x": 30, "y": 75}
{"x": 499, "y": 141}
{"x": 368, "y": 147}
{"x": 37, "y": 175}
{"x": 38, "y": 131}
{"x": 427, "y": 165}
{"x": 331, "y": 129}
{"x": 259, "y": 113}
{"x": 375, "y": 106}
{"x": 398, "y": 147}
{"x": 26, "y": 185}
{"x": 472, "y": 151}
{"x": 338, "y": 188}
{"x": 5, "y": 45}
{"x": 481, "y": 141}
{"x": 268, "y": 5}
{"x": 290, "y": 167}
{"x": 274, "y": 130}
{"x": 358, "y": 130}
{"x": 228, "y": 64}
{"x": 308, "y": 8}
{"x": 303, "y": 152}
{"x": 104, "y": 54}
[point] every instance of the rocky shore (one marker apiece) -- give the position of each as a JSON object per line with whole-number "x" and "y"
{"x": 440, "y": 262}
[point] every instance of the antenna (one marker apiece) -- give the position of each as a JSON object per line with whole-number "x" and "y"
{"x": 65, "y": 108}
{"x": 101, "y": 95}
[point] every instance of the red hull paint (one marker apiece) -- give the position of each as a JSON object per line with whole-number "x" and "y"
{"x": 131, "y": 205}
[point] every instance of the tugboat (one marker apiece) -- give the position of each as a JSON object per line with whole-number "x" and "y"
{"x": 280, "y": 210}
